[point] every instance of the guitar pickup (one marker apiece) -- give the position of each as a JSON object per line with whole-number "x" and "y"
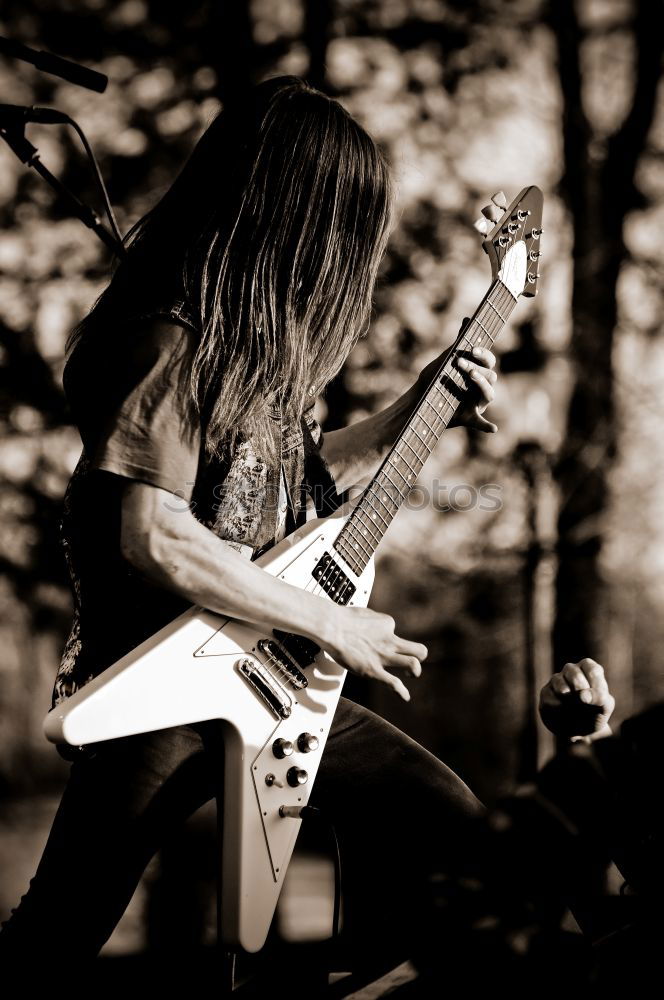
{"x": 282, "y": 662}
{"x": 303, "y": 651}
{"x": 333, "y": 580}
{"x": 264, "y": 687}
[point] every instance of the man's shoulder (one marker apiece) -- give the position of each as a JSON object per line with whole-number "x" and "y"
{"x": 160, "y": 336}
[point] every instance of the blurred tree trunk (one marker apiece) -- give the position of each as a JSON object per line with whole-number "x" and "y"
{"x": 230, "y": 47}
{"x": 598, "y": 186}
{"x": 318, "y": 14}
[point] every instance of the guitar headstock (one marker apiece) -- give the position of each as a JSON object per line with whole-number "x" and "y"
{"x": 513, "y": 239}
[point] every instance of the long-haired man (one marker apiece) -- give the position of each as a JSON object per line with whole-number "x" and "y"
{"x": 192, "y": 382}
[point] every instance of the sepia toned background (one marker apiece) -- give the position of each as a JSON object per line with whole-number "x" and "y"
{"x": 467, "y": 98}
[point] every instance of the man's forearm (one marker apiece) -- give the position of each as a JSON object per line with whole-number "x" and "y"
{"x": 354, "y": 453}
{"x": 187, "y": 558}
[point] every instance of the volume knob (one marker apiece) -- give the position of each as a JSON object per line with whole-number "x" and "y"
{"x": 306, "y": 742}
{"x": 282, "y": 748}
{"x": 296, "y": 776}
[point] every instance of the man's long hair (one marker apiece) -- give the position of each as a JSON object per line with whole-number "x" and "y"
{"x": 273, "y": 233}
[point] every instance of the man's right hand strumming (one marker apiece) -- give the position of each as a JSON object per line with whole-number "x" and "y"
{"x": 364, "y": 641}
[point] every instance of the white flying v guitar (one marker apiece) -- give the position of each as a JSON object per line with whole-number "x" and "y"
{"x": 275, "y": 692}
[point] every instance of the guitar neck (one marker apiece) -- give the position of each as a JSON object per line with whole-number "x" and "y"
{"x": 383, "y": 497}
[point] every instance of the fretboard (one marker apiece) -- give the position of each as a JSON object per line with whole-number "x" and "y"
{"x": 373, "y": 514}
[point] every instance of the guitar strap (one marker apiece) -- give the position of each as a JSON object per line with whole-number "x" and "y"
{"x": 319, "y": 479}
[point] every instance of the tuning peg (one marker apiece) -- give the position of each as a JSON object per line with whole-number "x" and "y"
{"x": 483, "y": 226}
{"x": 491, "y": 212}
{"x": 499, "y": 199}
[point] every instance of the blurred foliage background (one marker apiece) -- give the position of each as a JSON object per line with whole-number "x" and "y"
{"x": 467, "y": 98}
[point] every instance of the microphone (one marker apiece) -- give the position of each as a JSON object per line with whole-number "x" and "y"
{"x": 56, "y": 65}
{"x": 15, "y": 114}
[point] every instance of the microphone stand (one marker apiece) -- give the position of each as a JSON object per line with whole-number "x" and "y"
{"x": 14, "y": 135}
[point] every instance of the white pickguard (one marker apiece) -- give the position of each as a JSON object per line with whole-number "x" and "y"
{"x": 189, "y": 672}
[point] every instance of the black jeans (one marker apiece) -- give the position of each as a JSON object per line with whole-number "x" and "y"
{"x": 400, "y": 814}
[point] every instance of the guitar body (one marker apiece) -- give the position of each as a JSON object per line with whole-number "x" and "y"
{"x": 199, "y": 667}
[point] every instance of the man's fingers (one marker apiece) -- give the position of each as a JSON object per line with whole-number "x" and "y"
{"x": 483, "y": 383}
{"x": 394, "y": 682}
{"x": 410, "y": 648}
{"x": 593, "y": 672}
{"x": 599, "y": 697}
{"x": 577, "y": 701}
{"x": 575, "y": 677}
{"x": 468, "y": 366}
{"x": 480, "y": 423}
{"x": 559, "y": 685}
{"x": 485, "y": 356}
{"x": 482, "y": 379}
{"x": 409, "y": 663}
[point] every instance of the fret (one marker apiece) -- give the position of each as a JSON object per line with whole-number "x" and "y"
{"x": 428, "y": 402}
{"x": 427, "y": 425}
{"x": 398, "y": 472}
{"x": 483, "y": 328}
{"x": 496, "y": 310}
{"x": 421, "y": 439}
{"x": 497, "y": 323}
{"x": 409, "y": 445}
{"x": 394, "y": 495}
{"x": 370, "y": 525}
{"x": 387, "y": 476}
{"x": 439, "y": 406}
{"x": 356, "y": 544}
{"x": 383, "y": 504}
{"x": 439, "y": 422}
{"x": 456, "y": 377}
{"x": 450, "y": 400}
{"x": 376, "y": 513}
{"x": 349, "y": 556}
{"x": 405, "y": 460}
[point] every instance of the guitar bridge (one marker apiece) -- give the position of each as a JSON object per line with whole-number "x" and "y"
{"x": 260, "y": 680}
